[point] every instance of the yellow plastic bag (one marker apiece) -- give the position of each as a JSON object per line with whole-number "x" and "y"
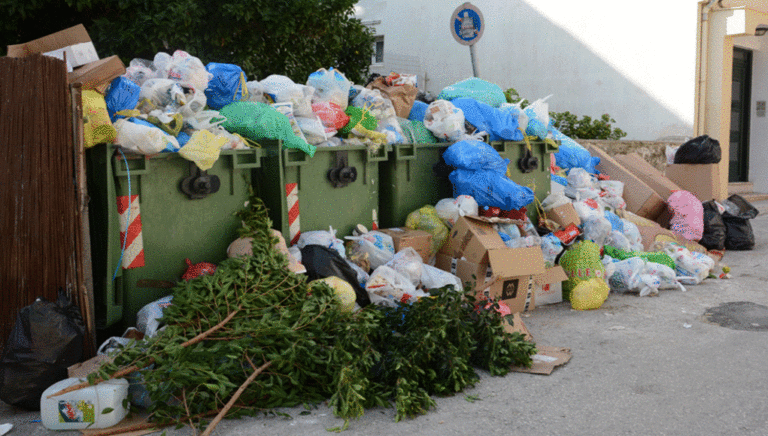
{"x": 97, "y": 127}
{"x": 203, "y": 149}
{"x": 345, "y": 294}
{"x": 589, "y": 294}
{"x": 428, "y": 220}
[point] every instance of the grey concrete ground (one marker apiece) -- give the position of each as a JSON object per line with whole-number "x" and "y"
{"x": 640, "y": 366}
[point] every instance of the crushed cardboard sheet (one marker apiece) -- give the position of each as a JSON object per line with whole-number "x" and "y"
{"x": 546, "y": 360}
{"x": 126, "y": 424}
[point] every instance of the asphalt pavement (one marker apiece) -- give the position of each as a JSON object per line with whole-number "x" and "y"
{"x": 662, "y": 365}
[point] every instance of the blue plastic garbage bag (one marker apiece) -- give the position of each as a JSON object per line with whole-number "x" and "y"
{"x": 535, "y": 127}
{"x": 478, "y": 89}
{"x": 182, "y": 138}
{"x": 123, "y": 94}
{"x": 472, "y": 154}
{"x": 616, "y": 222}
{"x": 559, "y": 179}
{"x": 572, "y": 155}
{"x": 418, "y": 110}
{"x": 226, "y": 86}
{"x": 490, "y": 188}
{"x": 500, "y": 125}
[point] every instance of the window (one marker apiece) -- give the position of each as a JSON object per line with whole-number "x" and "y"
{"x": 378, "y": 50}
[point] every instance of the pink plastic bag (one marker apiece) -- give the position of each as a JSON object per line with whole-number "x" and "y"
{"x": 687, "y": 215}
{"x": 331, "y": 114}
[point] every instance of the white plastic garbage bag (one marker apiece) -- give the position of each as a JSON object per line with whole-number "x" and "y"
{"x": 326, "y": 238}
{"x": 450, "y": 209}
{"x": 388, "y": 287}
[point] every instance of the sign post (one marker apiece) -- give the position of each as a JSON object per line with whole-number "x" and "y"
{"x": 467, "y": 27}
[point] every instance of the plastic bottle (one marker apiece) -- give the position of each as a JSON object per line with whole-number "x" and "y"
{"x": 84, "y": 408}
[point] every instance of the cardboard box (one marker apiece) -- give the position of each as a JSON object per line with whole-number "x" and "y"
{"x": 82, "y": 369}
{"x": 702, "y": 180}
{"x": 546, "y": 359}
{"x": 564, "y": 215}
{"x": 650, "y": 234}
{"x": 640, "y": 198}
{"x": 651, "y": 176}
{"x": 419, "y": 240}
{"x": 98, "y": 75}
{"x": 548, "y": 287}
{"x": 514, "y": 324}
{"x": 476, "y": 254}
{"x": 75, "y": 55}
{"x": 55, "y": 41}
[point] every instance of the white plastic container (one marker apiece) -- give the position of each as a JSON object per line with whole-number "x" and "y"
{"x": 84, "y": 408}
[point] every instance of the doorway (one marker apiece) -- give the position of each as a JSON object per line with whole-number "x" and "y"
{"x": 738, "y": 168}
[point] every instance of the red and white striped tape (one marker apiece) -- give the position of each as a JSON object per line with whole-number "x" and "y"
{"x": 133, "y": 257}
{"x": 294, "y": 224}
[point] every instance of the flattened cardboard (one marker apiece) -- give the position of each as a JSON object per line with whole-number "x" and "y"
{"x": 651, "y": 176}
{"x": 702, "y": 180}
{"x": 548, "y": 287}
{"x": 546, "y": 360}
{"x": 64, "y": 38}
{"x": 564, "y": 215}
{"x": 404, "y": 237}
{"x": 82, "y": 369}
{"x": 98, "y": 75}
{"x": 651, "y": 233}
{"x": 125, "y": 424}
{"x": 640, "y": 198}
{"x": 516, "y": 325}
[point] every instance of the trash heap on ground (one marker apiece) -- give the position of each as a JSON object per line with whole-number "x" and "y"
{"x": 393, "y": 315}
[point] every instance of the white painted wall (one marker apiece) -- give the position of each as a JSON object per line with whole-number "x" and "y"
{"x": 758, "y": 139}
{"x": 632, "y": 60}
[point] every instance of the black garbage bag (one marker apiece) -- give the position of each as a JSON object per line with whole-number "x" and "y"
{"x": 738, "y": 230}
{"x": 322, "y": 262}
{"x": 714, "y": 227}
{"x": 700, "y": 150}
{"x": 46, "y": 339}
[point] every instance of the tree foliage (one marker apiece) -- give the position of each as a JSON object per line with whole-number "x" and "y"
{"x": 574, "y": 127}
{"x": 289, "y": 37}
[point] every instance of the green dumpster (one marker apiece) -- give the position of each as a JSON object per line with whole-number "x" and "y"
{"x": 338, "y": 187}
{"x": 414, "y": 175}
{"x": 529, "y": 167}
{"x": 184, "y": 214}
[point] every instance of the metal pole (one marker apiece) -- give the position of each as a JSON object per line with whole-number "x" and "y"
{"x": 474, "y": 61}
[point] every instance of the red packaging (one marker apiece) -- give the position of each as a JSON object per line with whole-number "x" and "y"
{"x": 518, "y": 214}
{"x": 490, "y": 211}
{"x": 198, "y": 269}
{"x": 568, "y": 234}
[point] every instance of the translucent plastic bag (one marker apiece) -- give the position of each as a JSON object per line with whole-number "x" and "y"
{"x": 379, "y": 246}
{"x": 551, "y": 247}
{"x": 450, "y": 209}
{"x": 287, "y": 110}
{"x": 331, "y": 114}
{"x": 580, "y": 178}
{"x": 330, "y": 86}
{"x": 139, "y": 70}
{"x": 185, "y": 68}
{"x": 388, "y": 287}
{"x": 553, "y": 200}
{"x": 613, "y": 188}
{"x": 313, "y": 129}
{"x": 427, "y": 219}
{"x": 255, "y": 91}
{"x": 282, "y": 89}
{"x": 408, "y": 263}
{"x": 692, "y": 267}
{"x": 618, "y": 240}
{"x": 148, "y": 318}
{"x": 142, "y": 137}
{"x": 434, "y": 278}
{"x": 597, "y": 230}
{"x": 445, "y": 120}
{"x": 632, "y": 233}
{"x": 326, "y": 238}
{"x": 390, "y": 127}
{"x": 477, "y": 89}
{"x": 587, "y": 210}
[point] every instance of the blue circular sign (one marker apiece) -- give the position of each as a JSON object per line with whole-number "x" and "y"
{"x": 467, "y": 24}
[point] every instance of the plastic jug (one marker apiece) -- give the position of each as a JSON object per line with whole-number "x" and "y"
{"x": 84, "y": 408}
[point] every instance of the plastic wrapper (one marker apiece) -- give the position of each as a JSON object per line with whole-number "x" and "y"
{"x": 475, "y": 155}
{"x": 227, "y": 84}
{"x": 330, "y": 85}
{"x": 499, "y": 125}
{"x": 427, "y": 219}
{"x": 322, "y": 262}
{"x": 395, "y": 79}
{"x": 281, "y": 89}
{"x": 445, "y": 120}
{"x": 387, "y": 287}
{"x": 142, "y": 137}
{"x": 450, "y": 209}
{"x": 597, "y": 230}
{"x": 489, "y": 188}
{"x": 379, "y": 246}
{"x": 148, "y": 317}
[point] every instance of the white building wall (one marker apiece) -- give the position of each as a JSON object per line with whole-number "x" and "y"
{"x": 631, "y": 60}
{"x": 758, "y": 138}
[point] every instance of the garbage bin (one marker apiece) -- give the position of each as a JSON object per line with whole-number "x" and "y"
{"x": 414, "y": 175}
{"x": 529, "y": 166}
{"x": 184, "y": 213}
{"x": 338, "y": 187}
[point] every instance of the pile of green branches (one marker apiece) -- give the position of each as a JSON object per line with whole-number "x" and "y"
{"x": 253, "y": 337}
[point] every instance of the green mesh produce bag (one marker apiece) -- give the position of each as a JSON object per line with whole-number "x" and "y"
{"x": 581, "y": 262}
{"x": 427, "y": 219}
{"x": 415, "y": 132}
{"x": 650, "y": 256}
{"x": 256, "y": 121}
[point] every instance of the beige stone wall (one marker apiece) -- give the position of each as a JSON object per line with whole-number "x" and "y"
{"x": 653, "y": 152}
